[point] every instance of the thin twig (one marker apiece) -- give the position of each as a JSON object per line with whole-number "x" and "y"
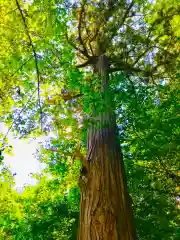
{"x": 11, "y": 11}
{"x": 25, "y": 106}
{"x": 35, "y": 57}
{"x": 22, "y": 66}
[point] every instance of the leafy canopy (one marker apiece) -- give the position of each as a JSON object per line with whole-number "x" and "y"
{"x": 44, "y": 44}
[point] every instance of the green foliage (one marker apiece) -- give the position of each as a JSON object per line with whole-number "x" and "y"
{"x": 40, "y": 212}
{"x": 147, "y": 115}
{"x": 149, "y": 127}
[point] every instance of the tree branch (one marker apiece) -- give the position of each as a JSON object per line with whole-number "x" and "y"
{"x": 22, "y": 110}
{"x": 125, "y": 67}
{"x": 22, "y": 66}
{"x": 90, "y": 61}
{"x": 127, "y": 12}
{"x": 66, "y": 97}
{"x": 79, "y": 29}
{"x": 75, "y": 47}
{"x": 35, "y": 56}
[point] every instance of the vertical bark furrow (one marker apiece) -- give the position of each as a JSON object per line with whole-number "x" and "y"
{"x": 105, "y": 212}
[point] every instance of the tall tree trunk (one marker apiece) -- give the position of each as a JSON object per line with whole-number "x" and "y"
{"x": 105, "y": 209}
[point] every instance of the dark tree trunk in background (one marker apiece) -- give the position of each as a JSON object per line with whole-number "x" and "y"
{"x": 105, "y": 210}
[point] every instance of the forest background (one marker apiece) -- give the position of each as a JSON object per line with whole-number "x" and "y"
{"x": 48, "y": 88}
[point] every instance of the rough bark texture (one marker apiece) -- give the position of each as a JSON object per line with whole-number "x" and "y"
{"x": 105, "y": 211}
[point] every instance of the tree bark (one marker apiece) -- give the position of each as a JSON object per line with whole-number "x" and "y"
{"x": 105, "y": 208}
